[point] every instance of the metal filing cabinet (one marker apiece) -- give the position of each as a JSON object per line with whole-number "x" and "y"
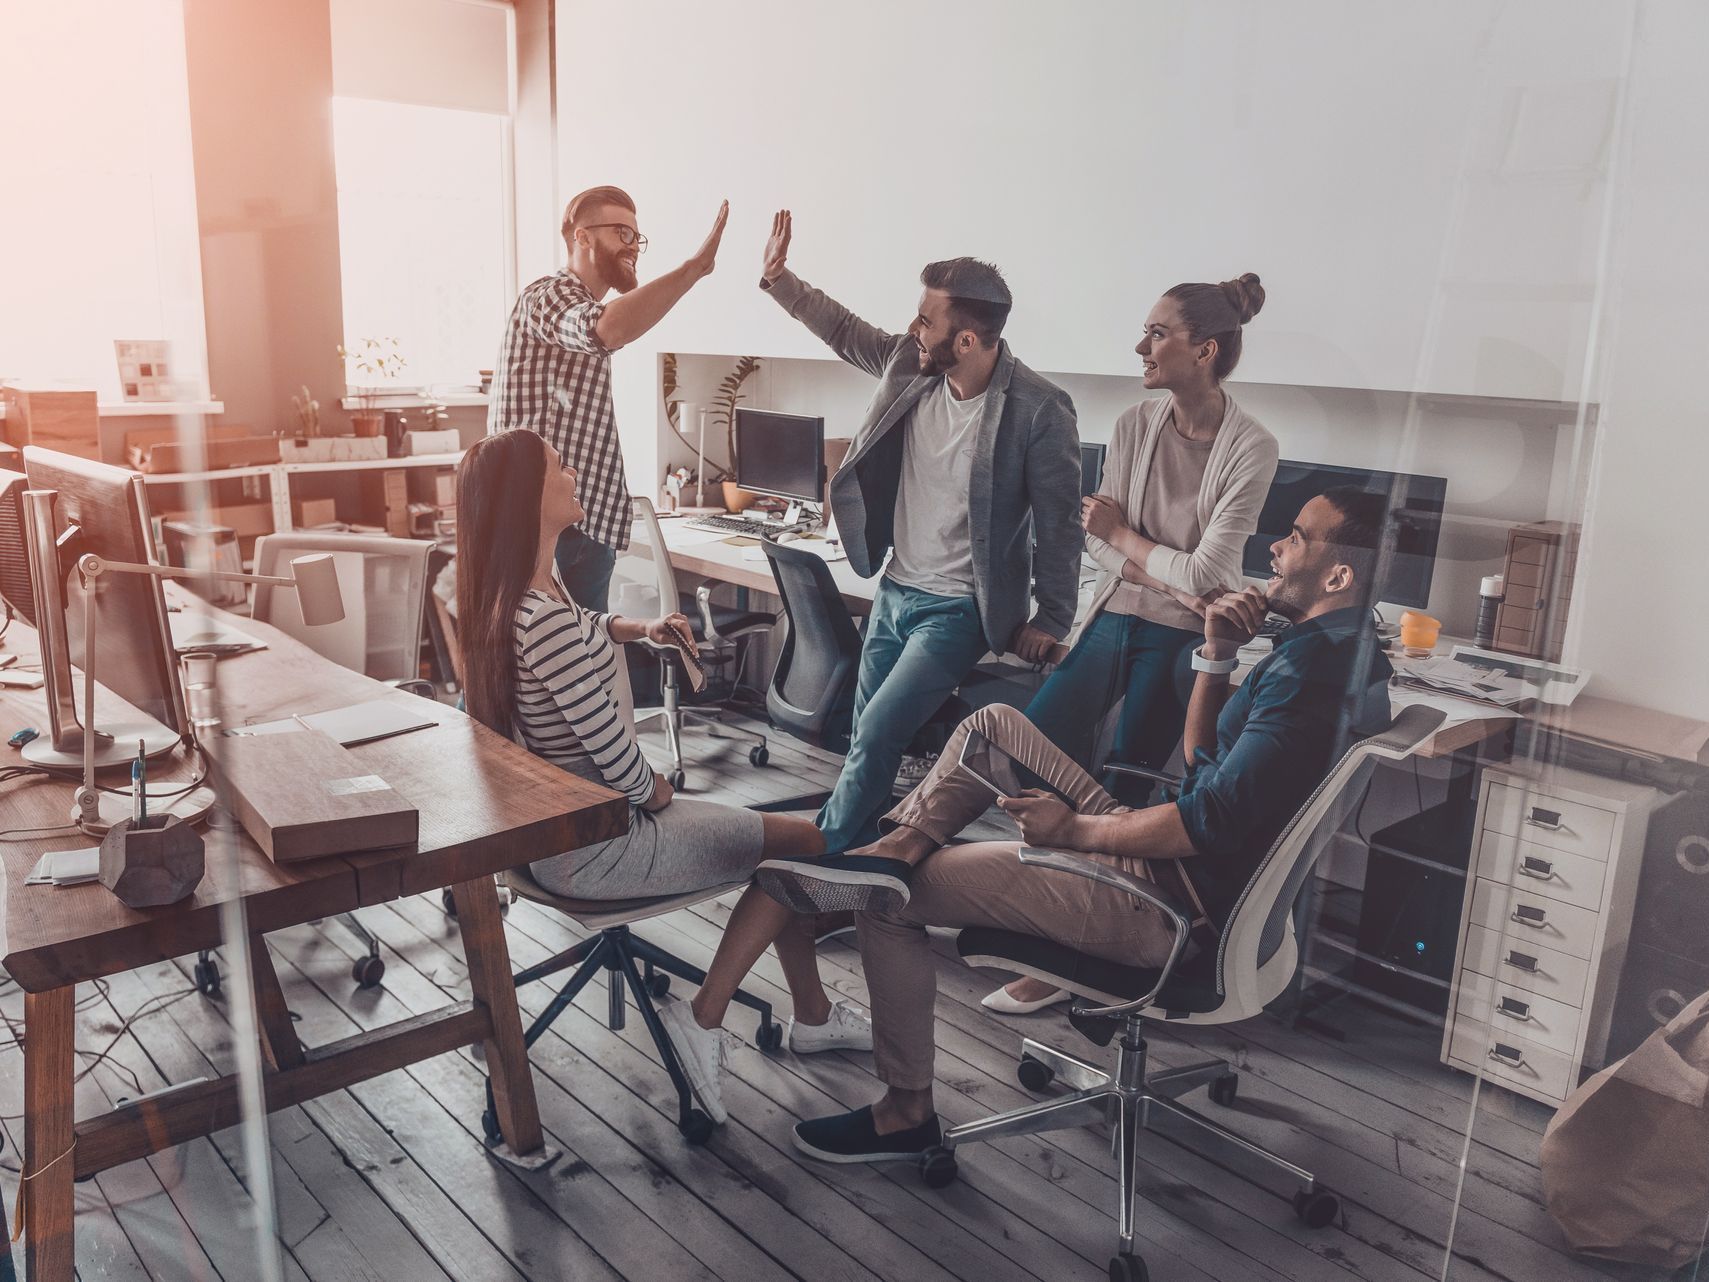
{"x": 1544, "y": 927}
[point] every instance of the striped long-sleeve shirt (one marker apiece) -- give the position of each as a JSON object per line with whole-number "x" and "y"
{"x": 566, "y": 702}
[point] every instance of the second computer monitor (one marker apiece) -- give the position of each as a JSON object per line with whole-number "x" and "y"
{"x": 781, "y": 454}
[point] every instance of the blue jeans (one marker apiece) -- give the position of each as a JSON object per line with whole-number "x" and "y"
{"x": 1119, "y": 655}
{"x": 917, "y": 650}
{"x": 585, "y": 566}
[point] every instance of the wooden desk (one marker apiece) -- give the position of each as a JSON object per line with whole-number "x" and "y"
{"x": 485, "y": 805}
{"x": 695, "y": 552}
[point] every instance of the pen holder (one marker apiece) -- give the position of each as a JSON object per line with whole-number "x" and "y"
{"x": 150, "y": 864}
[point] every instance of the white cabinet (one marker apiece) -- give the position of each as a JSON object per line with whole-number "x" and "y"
{"x": 1548, "y": 909}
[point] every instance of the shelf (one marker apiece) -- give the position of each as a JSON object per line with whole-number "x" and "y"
{"x": 413, "y": 400}
{"x": 218, "y": 474}
{"x": 150, "y": 409}
{"x": 359, "y": 464}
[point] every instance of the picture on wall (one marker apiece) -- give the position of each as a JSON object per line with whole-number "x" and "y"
{"x": 145, "y": 369}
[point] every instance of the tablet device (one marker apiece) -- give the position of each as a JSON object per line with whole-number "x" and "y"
{"x": 1000, "y": 772}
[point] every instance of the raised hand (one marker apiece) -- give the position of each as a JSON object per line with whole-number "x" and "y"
{"x": 706, "y": 257}
{"x": 1232, "y": 620}
{"x": 777, "y": 247}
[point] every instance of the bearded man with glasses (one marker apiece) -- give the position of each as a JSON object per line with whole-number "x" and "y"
{"x": 554, "y": 368}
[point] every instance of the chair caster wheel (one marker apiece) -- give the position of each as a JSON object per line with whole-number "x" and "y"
{"x": 758, "y": 756}
{"x": 677, "y": 779}
{"x": 937, "y": 1168}
{"x": 449, "y": 901}
{"x": 696, "y": 1128}
{"x": 490, "y": 1127}
{"x": 207, "y": 977}
{"x": 658, "y": 985}
{"x": 769, "y": 1036}
{"x": 367, "y": 971}
{"x": 1128, "y": 1268}
{"x": 1317, "y": 1210}
{"x": 506, "y": 897}
{"x": 1224, "y": 1089}
{"x": 1034, "y": 1074}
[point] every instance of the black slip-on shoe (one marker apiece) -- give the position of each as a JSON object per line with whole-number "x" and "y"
{"x": 851, "y": 1137}
{"x": 836, "y": 883}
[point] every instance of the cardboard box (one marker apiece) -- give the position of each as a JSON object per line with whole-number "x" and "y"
{"x": 246, "y": 520}
{"x": 57, "y": 418}
{"x": 385, "y": 498}
{"x": 312, "y": 512}
{"x": 437, "y": 486}
{"x": 163, "y": 450}
{"x": 439, "y": 441}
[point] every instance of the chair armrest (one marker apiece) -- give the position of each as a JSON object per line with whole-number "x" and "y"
{"x": 415, "y": 685}
{"x": 1171, "y": 783}
{"x": 1092, "y": 870}
{"x": 703, "y": 598}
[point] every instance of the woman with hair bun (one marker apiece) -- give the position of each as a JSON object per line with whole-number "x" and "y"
{"x": 1185, "y": 478}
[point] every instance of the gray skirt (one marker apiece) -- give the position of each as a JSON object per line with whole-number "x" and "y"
{"x": 689, "y": 845}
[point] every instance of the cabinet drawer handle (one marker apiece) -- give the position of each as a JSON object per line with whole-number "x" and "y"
{"x": 1514, "y": 1009}
{"x": 1537, "y": 869}
{"x": 1525, "y": 915}
{"x": 1549, "y": 820}
{"x": 1512, "y": 1056}
{"x": 1521, "y": 961}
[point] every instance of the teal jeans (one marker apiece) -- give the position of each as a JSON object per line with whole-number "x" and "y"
{"x": 917, "y": 650}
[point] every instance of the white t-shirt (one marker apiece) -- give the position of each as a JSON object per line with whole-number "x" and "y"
{"x": 933, "y": 550}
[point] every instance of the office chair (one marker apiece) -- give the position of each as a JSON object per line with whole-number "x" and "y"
{"x": 384, "y": 585}
{"x": 1252, "y": 965}
{"x": 811, "y": 693}
{"x": 616, "y": 950}
{"x": 718, "y": 627}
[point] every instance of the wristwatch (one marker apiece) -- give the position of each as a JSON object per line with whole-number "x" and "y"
{"x": 1216, "y": 667}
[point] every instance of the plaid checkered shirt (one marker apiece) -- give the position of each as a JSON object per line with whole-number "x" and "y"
{"x": 554, "y": 378}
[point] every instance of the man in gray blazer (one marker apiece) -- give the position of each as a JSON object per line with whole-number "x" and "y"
{"x": 967, "y": 472}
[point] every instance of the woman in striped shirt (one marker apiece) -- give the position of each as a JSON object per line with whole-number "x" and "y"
{"x": 540, "y": 669}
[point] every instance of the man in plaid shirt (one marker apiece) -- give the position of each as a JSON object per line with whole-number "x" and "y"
{"x": 554, "y": 369}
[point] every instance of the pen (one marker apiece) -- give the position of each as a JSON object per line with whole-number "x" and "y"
{"x": 139, "y": 786}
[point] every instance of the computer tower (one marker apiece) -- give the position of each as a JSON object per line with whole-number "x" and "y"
{"x": 1408, "y": 925}
{"x": 1667, "y": 964}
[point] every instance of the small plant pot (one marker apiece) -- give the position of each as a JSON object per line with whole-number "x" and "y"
{"x": 736, "y": 499}
{"x": 368, "y": 422}
{"x": 151, "y": 864}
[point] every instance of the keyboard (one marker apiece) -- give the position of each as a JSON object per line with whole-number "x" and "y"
{"x": 735, "y": 525}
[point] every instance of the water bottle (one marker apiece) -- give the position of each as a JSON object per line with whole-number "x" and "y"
{"x": 1491, "y": 593}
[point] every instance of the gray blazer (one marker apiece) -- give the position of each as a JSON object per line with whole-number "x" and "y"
{"x": 1024, "y": 503}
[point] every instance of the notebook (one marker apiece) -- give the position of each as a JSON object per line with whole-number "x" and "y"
{"x": 358, "y": 723}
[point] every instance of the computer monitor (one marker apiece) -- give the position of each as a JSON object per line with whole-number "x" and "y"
{"x": 1091, "y": 468}
{"x": 1415, "y": 511}
{"x": 16, "y": 593}
{"x": 781, "y": 454}
{"x": 104, "y": 509}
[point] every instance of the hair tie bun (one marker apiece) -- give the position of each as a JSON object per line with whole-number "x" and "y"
{"x": 1245, "y": 294}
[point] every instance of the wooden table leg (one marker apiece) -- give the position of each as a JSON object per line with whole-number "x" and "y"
{"x": 48, "y": 1117}
{"x": 490, "y": 985}
{"x": 278, "y": 1034}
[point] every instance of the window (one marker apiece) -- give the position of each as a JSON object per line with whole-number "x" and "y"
{"x": 423, "y": 229}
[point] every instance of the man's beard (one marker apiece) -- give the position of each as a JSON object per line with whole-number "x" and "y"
{"x": 939, "y": 358}
{"x": 618, "y": 272}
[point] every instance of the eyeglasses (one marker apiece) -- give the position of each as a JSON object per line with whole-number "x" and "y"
{"x": 625, "y": 233}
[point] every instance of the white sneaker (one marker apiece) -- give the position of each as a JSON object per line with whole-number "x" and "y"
{"x": 848, "y": 1028}
{"x": 702, "y": 1052}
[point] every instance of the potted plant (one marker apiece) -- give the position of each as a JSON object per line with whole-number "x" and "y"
{"x": 724, "y": 411}
{"x": 382, "y": 361}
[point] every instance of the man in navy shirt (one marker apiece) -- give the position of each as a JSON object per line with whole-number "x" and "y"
{"x": 1253, "y": 757}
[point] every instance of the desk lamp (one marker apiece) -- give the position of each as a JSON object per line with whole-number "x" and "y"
{"x": 314, "y": 577}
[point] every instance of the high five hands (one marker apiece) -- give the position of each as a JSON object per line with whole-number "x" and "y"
{"x": 777, "y": 246}
{"x": 706, "y": 257}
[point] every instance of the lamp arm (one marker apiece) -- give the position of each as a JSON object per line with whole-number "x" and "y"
{"x": 91, "y": 566}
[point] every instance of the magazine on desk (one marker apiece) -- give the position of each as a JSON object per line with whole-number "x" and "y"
{"x": 1466, "y": 680}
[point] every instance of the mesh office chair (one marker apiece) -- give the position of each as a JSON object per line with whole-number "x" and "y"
{"x": 384, "y": 585}
{"x": 811, "y": 693}
{"x": 716, "y": 627}
{"x": 1254, "y": 962}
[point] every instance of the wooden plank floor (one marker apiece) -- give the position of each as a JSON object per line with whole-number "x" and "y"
{"x": 390, "y": 1179}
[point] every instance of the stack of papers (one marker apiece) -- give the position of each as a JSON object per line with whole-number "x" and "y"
{"x": 1463, "y": 680}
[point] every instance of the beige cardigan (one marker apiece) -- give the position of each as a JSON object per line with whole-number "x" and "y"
{"x": 1237, "y": 479}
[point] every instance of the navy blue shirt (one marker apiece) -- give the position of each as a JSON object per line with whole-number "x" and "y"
{"x": 1324, "y": 686}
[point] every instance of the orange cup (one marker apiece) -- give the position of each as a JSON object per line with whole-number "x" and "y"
{"x": 1418, "y": 633}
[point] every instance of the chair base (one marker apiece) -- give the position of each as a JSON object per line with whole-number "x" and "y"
{"x": 1132, "y": 1103}
{"x": 677, "y": 719}
{"x": 639, "y": 971}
